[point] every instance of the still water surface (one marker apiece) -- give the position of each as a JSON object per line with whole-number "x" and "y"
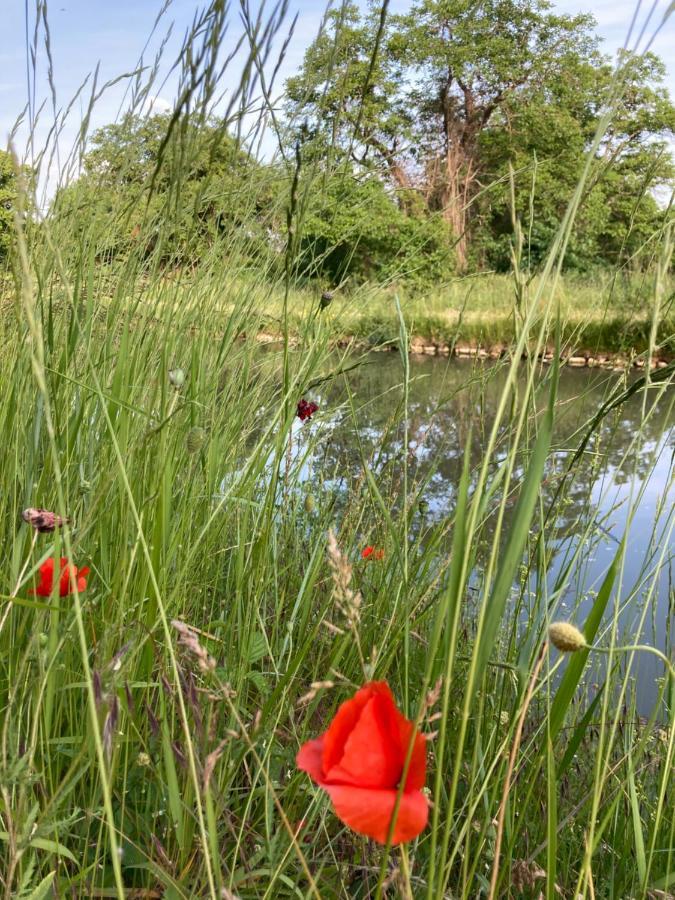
{"x": 622, "y": 484}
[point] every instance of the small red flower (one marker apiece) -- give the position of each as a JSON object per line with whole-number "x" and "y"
{"x": 372, "y": 553}
{"x": 68, "y": 574}
{"x": 306, "y": 409}
{"x": 359, "y": 763}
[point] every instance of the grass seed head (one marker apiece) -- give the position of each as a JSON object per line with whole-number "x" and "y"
{"x": 348, "y": 600}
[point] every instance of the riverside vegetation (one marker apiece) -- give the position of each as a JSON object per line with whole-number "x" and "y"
{"x": 221, "y": 624}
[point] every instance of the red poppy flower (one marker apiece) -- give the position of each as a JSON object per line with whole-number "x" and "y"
{"x": 306, "y": 409}
{"x": 372, "y": 553}
{"x": 359, "y": 763}
{"x": 68, "y": 574}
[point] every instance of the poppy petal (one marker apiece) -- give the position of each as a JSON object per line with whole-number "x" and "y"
{"x": 403, "y": 728}
{"x": 64, "y": 582}
{"x": 368, "y": 812}
{"x": 372, "y": 755}
{"x": 340, "y": 728}
{"x": 44, "y": 588}
{"x": 309, "y": 759}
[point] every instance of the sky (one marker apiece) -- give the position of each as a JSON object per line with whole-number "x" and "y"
{"x": 112, "y": 35}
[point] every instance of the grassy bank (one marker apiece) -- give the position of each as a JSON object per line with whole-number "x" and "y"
{"x": 602, "y": 315}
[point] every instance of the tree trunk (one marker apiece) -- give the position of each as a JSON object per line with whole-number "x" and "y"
{"x": 454, "y": 195}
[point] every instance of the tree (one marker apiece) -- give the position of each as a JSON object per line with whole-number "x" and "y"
{"x": 462, "y": 90}
{"x": 544, "y": 138}
{"x": 193, "y": 178}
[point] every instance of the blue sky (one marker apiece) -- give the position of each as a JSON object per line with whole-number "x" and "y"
{"x": 85, "y": 33}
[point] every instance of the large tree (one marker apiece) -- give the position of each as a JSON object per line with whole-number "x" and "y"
{"x": 454, "y": 85}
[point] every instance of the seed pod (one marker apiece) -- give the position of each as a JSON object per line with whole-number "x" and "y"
{"x": 177, "y": 378}
{"x": 566, "y": 637}
{"x": 326, "y": 299}
{"x": 195, "y": 440}
{"x": 310, "y": 504}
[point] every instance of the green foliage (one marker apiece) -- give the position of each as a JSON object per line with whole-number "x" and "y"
{"x": 459, "y": 95}
{"x": 354, "y": 230}
{"x": 140, "y": 756}
{"x": 168, "y": 191}
{"x": 7, "y": 202}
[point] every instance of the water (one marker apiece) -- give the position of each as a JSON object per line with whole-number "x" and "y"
{"x": 628, "y": 466}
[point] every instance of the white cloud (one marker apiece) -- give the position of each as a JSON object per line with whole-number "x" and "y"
{"x": 156, "y": 104}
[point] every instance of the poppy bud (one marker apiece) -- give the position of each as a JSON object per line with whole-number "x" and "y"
{"x": 566, "y": 637}
{"x": 177, "y": 378}
{"x": 310, "y": 504}
{"x": 195, "y": 439}
{"x": 423, "y": 507}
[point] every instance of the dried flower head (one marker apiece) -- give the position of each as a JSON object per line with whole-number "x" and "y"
{"x": 188, "y": 639}
{"x": 177, "y": 378}
{"x": 566, "y": 637}
{"x": 42, "y": 520}
{"x": 348, "y": 600}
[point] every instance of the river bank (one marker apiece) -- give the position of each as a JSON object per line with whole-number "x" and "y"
{"x": 424, "y": 347}
{"x": 605, "y": 321}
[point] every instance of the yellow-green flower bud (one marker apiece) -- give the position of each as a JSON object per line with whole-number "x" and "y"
{"x": 195, "y": 439}
{"x": 566, "y": 637}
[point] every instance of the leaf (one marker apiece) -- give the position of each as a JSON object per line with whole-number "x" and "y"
{"x": 664, "y": 883}
{"x": 45, "y": 844}
{"x": 552, "y": 821}
{"x": 259, "y": 681}
{"x": 578, "y": 734}
{"x": 30, "y": 604}
{"x": 518, "y": 534}
{"x": 637, "y": 822}
{"x": 257, "y": 648}
{"x": 42, "y": 889}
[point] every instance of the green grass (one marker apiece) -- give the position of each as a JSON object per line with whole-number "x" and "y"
{"x": 601, "y": 315}
{"x": 110, "y": 724}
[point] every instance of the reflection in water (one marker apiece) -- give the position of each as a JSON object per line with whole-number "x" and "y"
{"x": 621, "y": 484}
